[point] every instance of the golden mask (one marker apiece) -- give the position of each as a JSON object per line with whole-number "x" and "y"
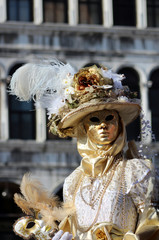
{"x": 28, "y": 227}
{"x": 102, "y": 127}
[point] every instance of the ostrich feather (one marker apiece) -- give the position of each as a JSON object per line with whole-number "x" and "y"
{"x": 42, "y": 80}
{"x": 34, "y": 198}
{"x": 23, "y": 204}
{"x": 50, "y": 216}
{"x": 28, "y": 207}
{"x": 34, "y": 192}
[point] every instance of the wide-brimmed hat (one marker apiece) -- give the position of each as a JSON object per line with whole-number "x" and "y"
{"x": 69, "y": 96}
{"x": 128, "y": 111}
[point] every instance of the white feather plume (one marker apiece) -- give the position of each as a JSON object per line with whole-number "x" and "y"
{"x": 117, "y": 78}
{"x": 50, "y": 83}
{"x": 42, "y": 81}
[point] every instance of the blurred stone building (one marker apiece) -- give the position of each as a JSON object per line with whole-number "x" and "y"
{"x": 120, "y": 34}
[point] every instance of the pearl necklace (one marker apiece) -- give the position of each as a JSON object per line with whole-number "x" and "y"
{"x": 100, "y": 195}
{"x": 94, "y": 198}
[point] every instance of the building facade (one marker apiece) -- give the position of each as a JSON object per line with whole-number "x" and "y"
{"x": 120, "y": 34}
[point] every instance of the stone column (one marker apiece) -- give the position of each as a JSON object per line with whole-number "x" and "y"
{"x": 107, "y": 13}
{"x": 38, "y": 11}
{"x": 141, "y": 13}
{"x": 3, "y": 11}
{"x": 73, "y": 12}
{"x": 40, "y": 125}
{"x": 4, "y": 123}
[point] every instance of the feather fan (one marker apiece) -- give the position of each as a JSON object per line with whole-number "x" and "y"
{"x": 36, "y": 199}
{"x": 58, "y": 213}
{"x": 34, "y": 192}
{"x": 23, "y": 204}
{"x": 33, "y": 196}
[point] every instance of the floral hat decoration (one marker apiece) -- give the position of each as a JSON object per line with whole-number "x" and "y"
{"x": 69, "y": 96}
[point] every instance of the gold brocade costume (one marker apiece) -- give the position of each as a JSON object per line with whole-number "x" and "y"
{"x": 110, "y": 213}
{"x": 109, "y": 193}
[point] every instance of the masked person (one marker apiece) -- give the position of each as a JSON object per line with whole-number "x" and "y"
{"x": 111, "y": 189}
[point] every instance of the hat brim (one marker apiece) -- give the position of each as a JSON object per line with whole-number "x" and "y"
{"x": 128, "y": 111}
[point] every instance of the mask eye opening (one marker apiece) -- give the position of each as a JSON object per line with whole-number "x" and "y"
{"x": 109, "y": 117}
{"x": 94, "y": 119}
{"x": 30, "y": 225}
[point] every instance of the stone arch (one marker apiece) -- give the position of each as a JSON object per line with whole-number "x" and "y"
{"x": 133, "y": 81}
{"x": 14, "y": 67}
{"x": 153, "y": 96}
{"x": 130, "y": 75}
{"x": 152, "y": 70}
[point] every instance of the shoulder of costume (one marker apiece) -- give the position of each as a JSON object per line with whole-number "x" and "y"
{"x": 138, "y": 162}
{"x": 137, "y": 171}
{"x": 74, "y": 175}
